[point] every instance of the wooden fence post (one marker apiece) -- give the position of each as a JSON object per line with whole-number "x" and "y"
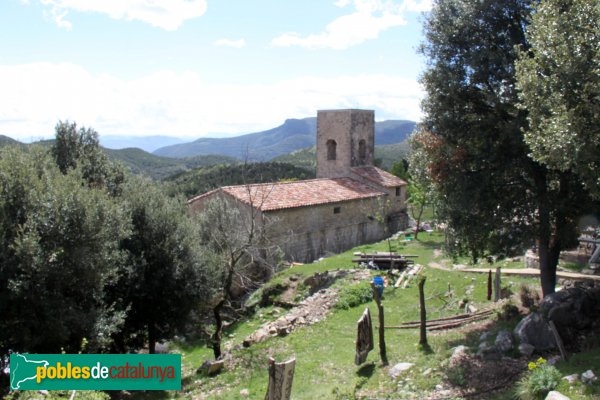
{"x": 423, "y": 335}
{"x": 281, "y": 376}
{"x": 382, "y": 349}
{"x": 497, "y": 286}
{"x": 489, "y": 287}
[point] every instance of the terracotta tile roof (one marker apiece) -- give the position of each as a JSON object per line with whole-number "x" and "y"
{"x": 282, "y": 195}
{"x": 378, "y": 176}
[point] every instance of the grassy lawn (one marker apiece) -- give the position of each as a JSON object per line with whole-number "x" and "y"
{"x": 324, "y": 352}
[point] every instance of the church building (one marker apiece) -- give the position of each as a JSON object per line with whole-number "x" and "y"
{"x": 351, "y": 202}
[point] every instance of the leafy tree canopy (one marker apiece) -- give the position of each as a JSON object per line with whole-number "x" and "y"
{"x": 493, "y": 195}
{"x": 559, "y": 83}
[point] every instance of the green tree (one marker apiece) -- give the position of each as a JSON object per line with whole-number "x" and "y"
{"x": 559, "y": 83}
{"x": 164, "y": 280}
{"x": 421, "y": 190}
{"x": 74, "y": 147}
{"x": 59, "y": 243}
{"x": 494, "y": 197}
{"x": 400, "y": 169}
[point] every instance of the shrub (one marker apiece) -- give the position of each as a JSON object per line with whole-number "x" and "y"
{"x": 508, "y": 311}
{"x": 457, "y": 374}
{"x": 354, "y": 295}
{"x": 541, "y": 379}
{"x": 529, "y": 296}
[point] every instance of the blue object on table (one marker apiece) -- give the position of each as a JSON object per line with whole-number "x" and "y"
{"x": 378, "y": 282}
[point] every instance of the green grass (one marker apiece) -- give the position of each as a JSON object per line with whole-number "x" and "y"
{"x": 325, "y": 351}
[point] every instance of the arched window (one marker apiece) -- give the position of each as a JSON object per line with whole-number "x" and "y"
{"x": 331, "y": 149}
{"x": 362, "y": 152}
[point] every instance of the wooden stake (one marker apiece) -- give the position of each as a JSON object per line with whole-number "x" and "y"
{"x": 382, "y": 349}
{"x": 497, "y": 287}
{"x": 559, "y": 342}
{"x": 423, "y": 335}
{"x": 489, "y": 287}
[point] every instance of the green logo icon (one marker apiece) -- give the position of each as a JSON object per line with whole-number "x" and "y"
{"x": 95, "y": 371}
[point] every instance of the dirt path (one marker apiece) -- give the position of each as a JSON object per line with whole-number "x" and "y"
{"x": 521, "y": 272}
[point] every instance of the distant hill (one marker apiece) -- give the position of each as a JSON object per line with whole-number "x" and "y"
{"x": 202, "y": 180}
{"x": 294, "y": 134}
{"x": 141, "y": 162}
{"x": 146, "y": 143}
{"x": 156, "y": 167}
{"x": 7, "y": 141}
{"x": 385, "y": 155}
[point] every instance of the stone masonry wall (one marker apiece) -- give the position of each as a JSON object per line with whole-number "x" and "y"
{"x": 347, "y": 128}
{"x": 307, "y": 233}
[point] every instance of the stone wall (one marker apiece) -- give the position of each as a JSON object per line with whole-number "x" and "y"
{"x": 347, "y": 128}
{"x": 307, "y": 233}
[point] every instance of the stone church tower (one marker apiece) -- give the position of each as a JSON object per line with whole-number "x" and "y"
{"x": 345, "y": 139}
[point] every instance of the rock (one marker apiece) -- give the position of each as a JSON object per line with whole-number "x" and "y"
{"x": 282, "y": 331}
{"x": 553, "y": 360}
{"x": 272, "y": 330}
{"x": 571, "y": 378}
{"x": 572, "y": 310}
{"x": 211, "y": 367}
{"x": 398, "y": 369}
{"x": 244, "y": 393}
{"x": 504, "y": 341}
{"x": 488, "y": 351}
{"x": 458, "y": 353}
{"x": 526, "y": 349}
{"x": 427, "y": 372}
{"x": 534, "y": 330}
{"x": 588, "y": 377}
{"x": 43, "y": 392}
{"x": 485, "y": 336}
{"x": 471, "y": 309}
{"x": 554, "y": 395}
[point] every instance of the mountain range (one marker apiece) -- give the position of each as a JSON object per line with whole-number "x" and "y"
{"x": 293, "y": 134}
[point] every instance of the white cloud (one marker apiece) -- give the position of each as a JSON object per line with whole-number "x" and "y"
{"x": 36, "y": 96}
{"x": 165, "y": 14}
{"x": 366, "y": 22}
{"x": 238, "y": 44}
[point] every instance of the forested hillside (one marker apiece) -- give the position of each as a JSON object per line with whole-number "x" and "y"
{"x": 385, "y": 156}
{"x": 202, "y": 180}
{"x": 156, "y": 167}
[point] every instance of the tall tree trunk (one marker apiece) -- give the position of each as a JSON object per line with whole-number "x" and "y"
{"x": 421, "y": 209}
{"x": 216, "y": 338}
{"x": 547, "y": 268}
{"x": 550, "y": 235}
{"x": 151, "y": 337}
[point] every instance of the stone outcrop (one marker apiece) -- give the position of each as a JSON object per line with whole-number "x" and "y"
{"x": 574, "y": 311}
{"x": 535, "y": 330}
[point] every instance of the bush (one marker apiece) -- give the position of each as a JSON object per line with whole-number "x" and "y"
{"x": 457, "y": 374}
{"x": 529, "y": 296}
{"x": 541, "y": 379}
{"x": 507, "y": 311}
{"x": 354, "y": 295}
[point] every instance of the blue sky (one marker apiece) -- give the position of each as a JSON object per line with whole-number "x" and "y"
{"x": 192, "y": 68}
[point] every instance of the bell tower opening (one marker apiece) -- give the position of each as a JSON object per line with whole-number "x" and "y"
{"x": 362, "y": 152}
{"x": 331, "y": 150}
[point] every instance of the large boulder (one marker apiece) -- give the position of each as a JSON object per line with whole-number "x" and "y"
{"x": 572, "y": 310}
{"x": 504, "y": 341}
{"x": 534, "y": 330}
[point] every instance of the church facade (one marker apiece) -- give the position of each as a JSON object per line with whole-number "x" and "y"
{"x": 351, "y": 202}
